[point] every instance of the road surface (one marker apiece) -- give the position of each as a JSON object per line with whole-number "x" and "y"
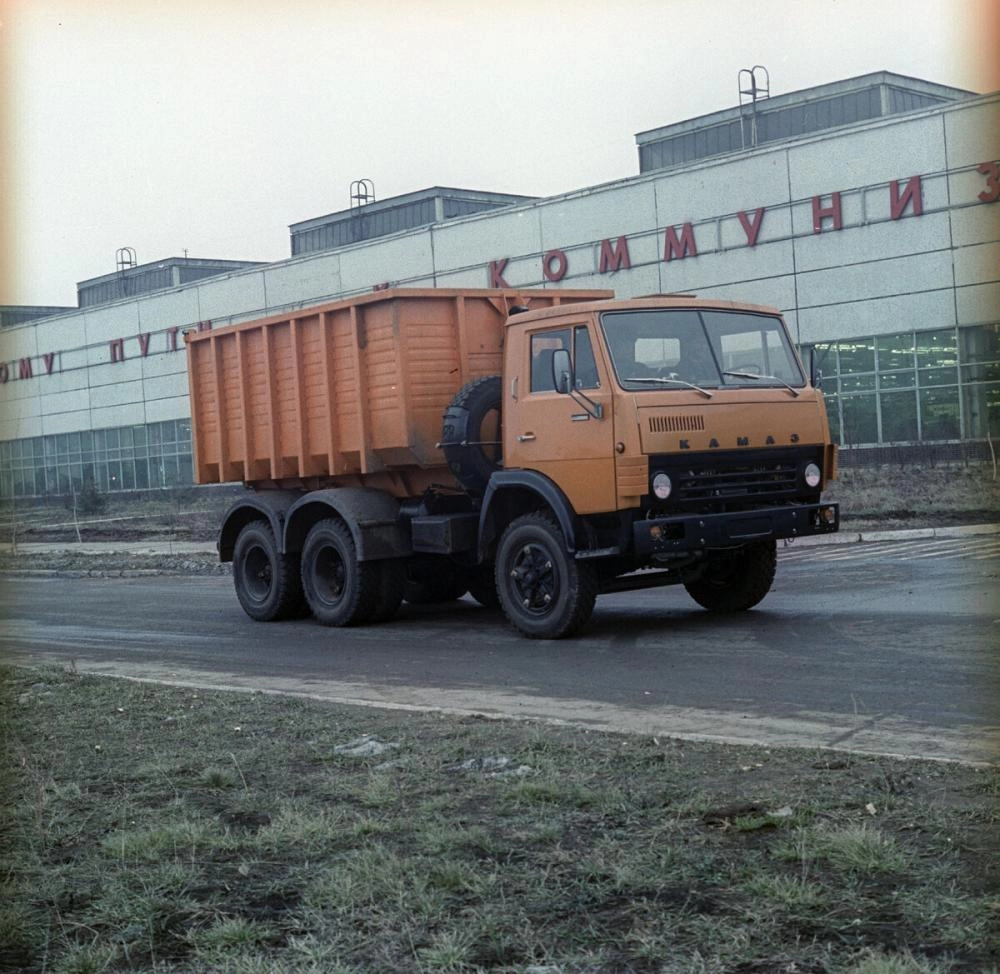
{"x": 879, "y": 648}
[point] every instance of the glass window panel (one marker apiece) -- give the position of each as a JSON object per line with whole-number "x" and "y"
{"x": 981, "y": 372}
{"x": 860, "y": 420}
{"x": 857, "y": 383}
{"x": 939, "y": 414}
{"x": 154, "y": 434}
{"x": 62, "y": 443}
{"x": 111, "y": 439}
{"x": 981, "y": 344}
{"x": 543, "y": 345}
{"x": 585, "y": 366}
{"x": 128, "y": 475}
{"x": 857, "y": 355}
{"x": 185, "y": 472}
{"x": 938, "y": 377}
{"x": 125, "y": 437}
{"x": 897, "y": 380}
{"x": 936, "y": 348}
{"x": 169, "y": 467}
{"x": 141, "y": 474}
{"x": 86, "y": 441}
{"x": 139, "y": 435}
{"x": 833, "y": 415}
{"x": 895, "y": 351}
{"x": 114, "y": 475}
{"x": 899, "y": 417}
{"x": 74, "y": 442}
{"x": 184, "y": 432}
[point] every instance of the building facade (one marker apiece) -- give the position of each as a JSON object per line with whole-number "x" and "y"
{"x": 877, "y": 236}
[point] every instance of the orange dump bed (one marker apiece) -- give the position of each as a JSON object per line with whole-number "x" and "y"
{"x": 344, "y": 391}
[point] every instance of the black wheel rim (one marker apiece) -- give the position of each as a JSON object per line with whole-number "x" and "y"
{"x": 258, "y": 573}
{"x": 330, "y": 575}
{"x": 534, "y": 579}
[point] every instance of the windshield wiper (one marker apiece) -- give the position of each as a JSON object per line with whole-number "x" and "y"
{"x": 753, "y": 375}
{"x": 658, "y": 380}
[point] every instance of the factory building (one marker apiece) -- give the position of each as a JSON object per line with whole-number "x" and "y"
{"x": 863, "y": 209}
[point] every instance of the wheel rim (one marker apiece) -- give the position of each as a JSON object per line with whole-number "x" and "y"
{"x": 329, "y": 575}
{"x": 534, "y": 579}
{"x": 258, "y": 573}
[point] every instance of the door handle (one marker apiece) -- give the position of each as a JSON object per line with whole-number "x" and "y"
{"x": 525, "y": 437}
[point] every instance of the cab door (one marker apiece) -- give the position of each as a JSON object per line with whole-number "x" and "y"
{"x": 557, "y": 434}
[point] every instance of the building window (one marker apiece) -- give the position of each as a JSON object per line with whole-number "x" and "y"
{"x": 912, "y": 387}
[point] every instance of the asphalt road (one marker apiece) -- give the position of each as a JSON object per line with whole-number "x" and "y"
{"x": 878, "y": 648}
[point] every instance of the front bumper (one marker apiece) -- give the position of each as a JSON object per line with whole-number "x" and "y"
{"x": 693, "y": 532}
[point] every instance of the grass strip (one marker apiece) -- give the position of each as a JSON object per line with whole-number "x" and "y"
{"x": 153, "y": 828}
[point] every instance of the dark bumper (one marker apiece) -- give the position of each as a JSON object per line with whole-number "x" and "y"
{"x": 691, "y": 532}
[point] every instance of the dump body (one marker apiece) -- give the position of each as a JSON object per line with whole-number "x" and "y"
{"x": 350, "y": 392}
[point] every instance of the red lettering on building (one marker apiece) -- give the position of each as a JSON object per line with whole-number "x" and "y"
{"x": 912, "y": 194}
{"x": 991, "y": 170}
{"x": 144, "y": 343}
{"x": 831, "y": 212}
{"x": 172, "y": 338}
{"x": 4, "y": 373}
{"x": 49, "y": 358}
{"x": 751, "y": 227}
{"x": 204, "y": 326}
{"x": 24, "y": 369}
{"x": 118, "y": 350}
{"x": 674, "y": 248}
{"x": 614, "y": 258}
{"x": 497, "y": 268}
{"x": 555, "y": 265}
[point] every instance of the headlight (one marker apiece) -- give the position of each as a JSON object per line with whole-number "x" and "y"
{"x": 662, "y": 486}
{"x": 812, "y": 474}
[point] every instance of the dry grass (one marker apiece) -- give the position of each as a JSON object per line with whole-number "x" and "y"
{"x": 149, "y": 828}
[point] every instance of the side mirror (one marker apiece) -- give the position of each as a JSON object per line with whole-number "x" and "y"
{"x": 562, "y": 371}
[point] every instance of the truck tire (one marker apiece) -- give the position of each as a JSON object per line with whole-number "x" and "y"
{"x": 430, "y": 582}
{"x": 340, "y": 590}
{"x": 267, "y": 582}
{"x": 544, "y": 591}
{"x": 736, "y": 580}
{"x": 471, "y": 436}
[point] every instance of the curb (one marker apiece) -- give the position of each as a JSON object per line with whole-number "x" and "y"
{"x": 901, "y": 534}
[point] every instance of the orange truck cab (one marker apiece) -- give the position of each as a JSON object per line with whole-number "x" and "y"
{"x": 625, "y": 444}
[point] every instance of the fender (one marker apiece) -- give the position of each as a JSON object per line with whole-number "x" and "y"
{"x": 371, "y": 515}
{"x": 271, "y": 504}
{"x": 521, "y": 481}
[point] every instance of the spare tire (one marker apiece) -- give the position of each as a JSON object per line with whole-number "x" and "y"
{"x": 471, "y": 435}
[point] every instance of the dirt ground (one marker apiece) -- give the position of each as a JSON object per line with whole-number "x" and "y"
{"x": 876, "y": 498}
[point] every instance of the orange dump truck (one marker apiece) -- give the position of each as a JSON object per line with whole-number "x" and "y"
{"x": 534, "y": 448}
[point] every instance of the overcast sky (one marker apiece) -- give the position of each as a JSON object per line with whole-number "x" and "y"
{"x": 208, "y": 126}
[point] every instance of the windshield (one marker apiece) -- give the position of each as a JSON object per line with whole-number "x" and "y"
{"x": 663, "y": 348}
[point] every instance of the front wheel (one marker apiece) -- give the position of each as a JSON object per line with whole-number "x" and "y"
{"x": 340, "y": 590}
{"x": 543, "y": 590}
{"x": 736, "y": 580}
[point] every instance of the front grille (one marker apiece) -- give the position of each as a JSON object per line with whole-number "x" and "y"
{"x": 735, "y": 480}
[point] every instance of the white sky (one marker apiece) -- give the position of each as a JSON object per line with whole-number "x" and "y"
{"x": 210, "y": 125}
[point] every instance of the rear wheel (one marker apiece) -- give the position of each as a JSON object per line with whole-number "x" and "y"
{"x": 340, "y": 590}
{"x": 736, "y": 580}
{"x": 544, "y": 591}
{"x": 267, "y": 582}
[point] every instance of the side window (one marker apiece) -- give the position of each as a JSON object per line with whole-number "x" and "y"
{"x": 543, "y": 346}
{"x": 585, "y": 366}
